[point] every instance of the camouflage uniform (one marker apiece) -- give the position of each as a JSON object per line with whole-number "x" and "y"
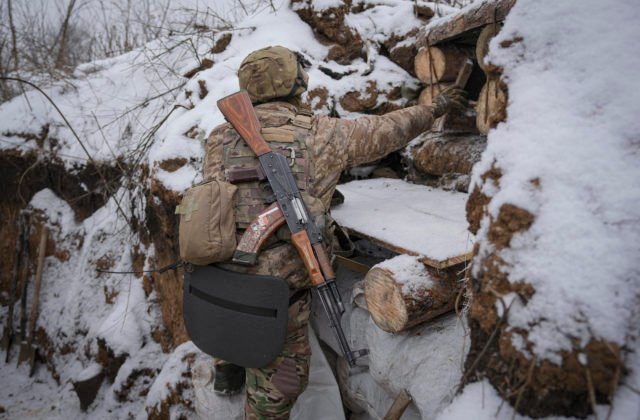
{"x": 332, "y": 145}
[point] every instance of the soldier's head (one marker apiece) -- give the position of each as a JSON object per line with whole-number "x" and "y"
{"x": 272, "y": 73}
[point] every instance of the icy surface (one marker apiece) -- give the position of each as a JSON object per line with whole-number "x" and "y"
{"x": 422, "y": 220}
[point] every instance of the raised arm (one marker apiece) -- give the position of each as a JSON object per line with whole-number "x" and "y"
{"x": 365, "y": 139}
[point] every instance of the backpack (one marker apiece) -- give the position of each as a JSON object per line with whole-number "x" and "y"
{"x": 213, "y": 212}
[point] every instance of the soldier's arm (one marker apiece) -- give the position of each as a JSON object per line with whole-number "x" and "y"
{"x": 365, "y": 139}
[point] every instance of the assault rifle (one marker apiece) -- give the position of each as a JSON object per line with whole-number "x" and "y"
{"x": 289, "y": 208}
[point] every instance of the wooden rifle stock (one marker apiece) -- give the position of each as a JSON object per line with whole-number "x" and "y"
{"x": 302, "y": 243}
{"x": 238, "y": 110}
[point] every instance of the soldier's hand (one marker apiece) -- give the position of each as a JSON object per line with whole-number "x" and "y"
{"x": 451, "y": 98}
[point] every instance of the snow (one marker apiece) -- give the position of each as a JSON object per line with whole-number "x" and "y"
{"x": 408, "y": 271}
{"x": 572, "y": 125}
{"x": 425, "y": 360}
{"x": 440, "y": 216}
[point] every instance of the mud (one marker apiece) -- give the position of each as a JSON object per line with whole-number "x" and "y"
{"x": 161, "y": 228}
{"x": 23, "y": 175}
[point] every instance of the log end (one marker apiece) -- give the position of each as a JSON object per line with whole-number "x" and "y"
{"x": 384, "y": 300}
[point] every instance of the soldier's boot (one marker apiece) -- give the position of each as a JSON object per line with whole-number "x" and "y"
{"x": 229, "y": 379}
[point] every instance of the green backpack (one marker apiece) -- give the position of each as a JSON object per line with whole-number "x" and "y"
{"x": 270, "y": 73}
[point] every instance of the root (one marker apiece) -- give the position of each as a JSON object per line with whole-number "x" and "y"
{"x": 592, "y": 392}
{"x": 524, "y": 387}
{"x": 474, "y": 365}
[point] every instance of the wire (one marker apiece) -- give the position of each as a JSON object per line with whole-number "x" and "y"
{"x": 172, "y": 266}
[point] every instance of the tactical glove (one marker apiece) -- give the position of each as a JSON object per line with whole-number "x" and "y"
{"x": 451, "y": 98}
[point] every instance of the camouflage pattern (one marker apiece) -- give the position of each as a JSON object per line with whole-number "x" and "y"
{"x": 332, "y": 146}
{"x": 272, "y": 391}
{"x": 272, "y": 72}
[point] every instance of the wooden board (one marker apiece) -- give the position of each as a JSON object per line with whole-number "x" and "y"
{"x": 407, "y": 219}
{"x": 467, "y": 20}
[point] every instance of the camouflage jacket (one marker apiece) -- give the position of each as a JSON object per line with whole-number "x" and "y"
{"x": 333, "y": 145}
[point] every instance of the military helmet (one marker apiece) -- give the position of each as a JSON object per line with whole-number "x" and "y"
{"x": 272, "y": 72}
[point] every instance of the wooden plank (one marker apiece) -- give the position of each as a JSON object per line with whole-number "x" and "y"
{"x": 454, "y": 26}
{"x": 438, "y": 264}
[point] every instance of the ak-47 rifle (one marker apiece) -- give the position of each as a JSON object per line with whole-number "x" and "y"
{"x": 290, "y": 208}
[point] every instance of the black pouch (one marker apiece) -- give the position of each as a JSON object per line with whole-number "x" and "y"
{"x": 241, "y": 318}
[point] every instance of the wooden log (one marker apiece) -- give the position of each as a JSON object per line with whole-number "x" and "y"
{"x": 450, "y": 154}
{"x": 440, "y": 64}
{"x": 401, "y": 293}
{"x": 492, "y": 105}
{"x": 482, "y": 47}
{"x": 464, "y": 21}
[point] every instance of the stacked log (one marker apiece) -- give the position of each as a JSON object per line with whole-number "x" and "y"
{"x": 440, "y": 64}
{"x": 491, "y": 107}
{"x": 438, "y": 68}
{"x": 482, "y": 47}
{"x": 403, "y": 292}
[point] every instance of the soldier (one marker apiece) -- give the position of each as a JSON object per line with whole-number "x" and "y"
{"x": 319, "y": 149}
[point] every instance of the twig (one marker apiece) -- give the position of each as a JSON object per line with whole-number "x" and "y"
{"x": 524, "y": 387}
{"x": 494, "y": 333}
{"x": 632, "y": 388}
{"x": 22, "y": 179}
{"x": 614, "y": 387}
{"x": 592, "y": 393}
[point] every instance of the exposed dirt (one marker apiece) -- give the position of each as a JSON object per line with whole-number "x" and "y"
{"x": 23, "y": 175}
{"x": 204, "y": 64}
{"x": 477, "y": 203}
{"x": 162, "y": 229}
{"x": 172, "y": 165}
{"x": 222, "y": 43}
{"x": 402, "y": 55}
{"x": 536, "y": 388}
{"x": 330, "y": 28}
{"x": 145, "y": 376}
{"x": 356, "y": 102}
{"x": 318, "y": 99}
{"x": 110, "y": 362}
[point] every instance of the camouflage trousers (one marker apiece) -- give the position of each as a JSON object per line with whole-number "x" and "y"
{"x": 272, "y": 390}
